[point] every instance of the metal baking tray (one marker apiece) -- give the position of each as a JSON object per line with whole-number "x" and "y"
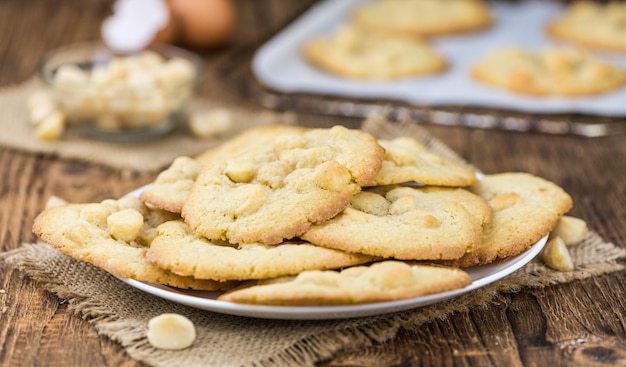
{"x": 275, "y": 88}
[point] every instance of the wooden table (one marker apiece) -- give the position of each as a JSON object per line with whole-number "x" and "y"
{"x": 580, "y": 323}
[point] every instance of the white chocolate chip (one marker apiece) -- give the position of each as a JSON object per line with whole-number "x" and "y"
{"x": 125, "y": 225}
{"x": 171, "y": 331}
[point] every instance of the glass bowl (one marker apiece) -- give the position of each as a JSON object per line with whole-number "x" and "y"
{"x": 121, "y": 96}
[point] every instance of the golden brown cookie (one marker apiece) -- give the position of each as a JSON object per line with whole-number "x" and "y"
{"x": 424, "y": 17}
{"x": 248, "y": 142}
{"x": 593, "y": 24}
{"x": 178, "y": 249}
{"x": 526, "y": 208}
{"x": 113, "y": 235}
{"x": 549, "y": 72}
{"x": 406, "y": 160}
{"x": 277, "y": 193}
{"x": 173, "y": 185}
{"x": 379, "y": 282}
{"x": 407, "y": 223}
{"x": 359, "y": 53}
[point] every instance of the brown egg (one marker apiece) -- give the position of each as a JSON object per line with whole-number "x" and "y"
{"x": 203, "y": 23}
{"x": 168, "y": 34}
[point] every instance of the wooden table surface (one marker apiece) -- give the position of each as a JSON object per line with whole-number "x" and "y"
{"x": 581, "y": 323}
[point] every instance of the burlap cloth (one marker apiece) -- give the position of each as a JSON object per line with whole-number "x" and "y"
{"x": 121, "y": 312}
{"x": 17, "y": 132}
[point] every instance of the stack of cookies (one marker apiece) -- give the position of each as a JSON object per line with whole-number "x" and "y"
{"x": 289, "y": 215}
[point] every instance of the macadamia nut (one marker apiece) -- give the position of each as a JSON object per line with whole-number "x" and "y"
{"x": 211, "y": 123}
{"x": 171, "y": 331}
{"x": 125, "y": 225}
{"x": 47, "y": 119}
{"x": 571, "y": 230}
{"x": 556, "y": 255}
{"x": 51, "y": 127}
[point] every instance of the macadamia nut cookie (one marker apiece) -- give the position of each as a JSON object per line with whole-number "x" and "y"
{"x": 526, "y": 208}
{"x": 113, "y": 235}
{"x": 407, "y": 223}
{"x": 593, "y": 24}
{"x": 173, "y": 185}
{"x": 359, "y": 53}
{"x": 384, "y": 281}
{"x": 424, "y": 17}
{"x": 406, "y": 160}
{"x": 178, "y": 249}
{"x": 277, "y": 193}
{"x": 549, "y": 72}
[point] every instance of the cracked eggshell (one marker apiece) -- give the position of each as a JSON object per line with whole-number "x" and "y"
{"x": 136, "y": 24}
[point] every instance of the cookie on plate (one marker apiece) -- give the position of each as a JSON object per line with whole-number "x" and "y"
{"x": 356, "y": 52}
{"x": 406, "y": 160}
{"x": 549, "y": 72}
{"x": 526, "y": 208}
{"x": 379, "y": 282}
{"x": 248, "y": 142}
{"x": 173, "y": 185}
{"x": 424, "y": 17}
{"x": 114, "y": 235}
{"x": 277, "y": 193}
{"x": 178, "y": 249}
{"x": 593, "y": 24}
{"x": 428, "y": 223}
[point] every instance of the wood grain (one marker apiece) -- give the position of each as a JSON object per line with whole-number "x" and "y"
{"x": 577, "y": 324}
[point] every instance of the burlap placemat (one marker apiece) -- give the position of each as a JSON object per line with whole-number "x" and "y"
{"x": 16, "y": 132}
{"x": 121, "y": 312}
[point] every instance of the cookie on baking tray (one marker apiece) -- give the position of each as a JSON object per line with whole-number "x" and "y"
{"x": 277, "y": 193}
{"x": 173, "y": 185}
{"x": 180, "y": 250}
{"x": 592, "y": 23}
{"x": 383, "y": 281}
{"x": 408, "y": 223}
{"x": 526, "y": 208}
{"x": 114, "y": 235}
{"x": 356, "y": 52}
{"x": 406, "y": 160}
{"x": 424, "y": 17}
{"x": 549, "y": 72}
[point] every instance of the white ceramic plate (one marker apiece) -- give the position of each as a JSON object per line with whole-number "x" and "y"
{"x": 481, "y": 276}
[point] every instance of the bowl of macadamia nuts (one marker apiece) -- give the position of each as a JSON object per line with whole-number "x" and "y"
{"x": 121, "y": 96}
